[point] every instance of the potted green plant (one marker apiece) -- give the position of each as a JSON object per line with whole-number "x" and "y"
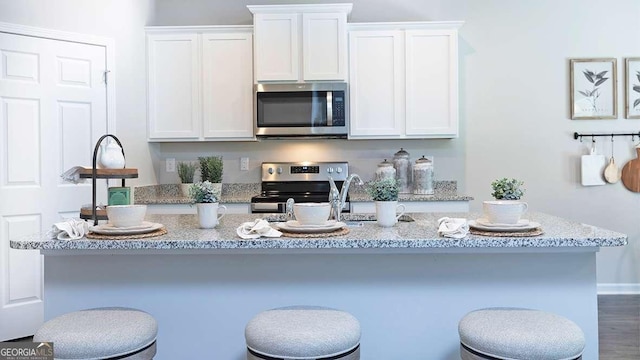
{"x": 507, "y": 208}
{"x": 186, "y": 171}
{"x": 211, "y": 170}
{"x": 507, "y": 189}
{"x": 203, "y": 195}
{"x": 384, "y": 193}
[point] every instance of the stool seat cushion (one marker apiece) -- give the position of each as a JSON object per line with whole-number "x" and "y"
{"x": 511, "y": 333}
{"x": 99, "y": 333}
{"x": 302, "y": 332}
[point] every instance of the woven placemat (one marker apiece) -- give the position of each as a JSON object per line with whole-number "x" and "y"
{"x": 338, "y": 232}
{"x": 155, "y": 233}
{"x": 532, "y": 232}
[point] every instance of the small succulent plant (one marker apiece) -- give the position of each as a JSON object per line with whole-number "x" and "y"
{"x": 202, "y": 192}
{"x": 507, "y": 189}
{"x": 384, "y": 189}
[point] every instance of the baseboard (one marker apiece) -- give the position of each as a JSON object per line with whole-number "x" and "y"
{"x": 619, "y": 289}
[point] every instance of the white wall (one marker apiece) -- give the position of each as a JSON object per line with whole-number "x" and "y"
{"x": 514, "y": 102}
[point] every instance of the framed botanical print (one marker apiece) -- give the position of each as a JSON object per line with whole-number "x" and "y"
{"x": 632, "y": 88}
{"x": 593, "y": 88}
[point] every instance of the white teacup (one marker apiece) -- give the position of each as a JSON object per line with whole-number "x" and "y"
{"x": 312, "y": 213}
{"x": 387, "y": 212}
{"x": 209, "y": 214}
{"x": 504, "y": 211}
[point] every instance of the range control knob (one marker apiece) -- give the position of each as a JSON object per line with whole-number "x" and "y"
{"x": 339, "y": 170}
{"x": 279, "y": 170}
{"x": 330, "y": 170}
{"x": 270, "y": 170}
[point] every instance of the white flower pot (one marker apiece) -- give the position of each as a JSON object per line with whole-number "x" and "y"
{"x": 209, "y": 214}
{"x": 387, "y": 212}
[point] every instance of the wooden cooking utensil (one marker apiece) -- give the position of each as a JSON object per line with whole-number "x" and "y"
{"x": 631, "y": 173}
{"x": 612, "y": 172}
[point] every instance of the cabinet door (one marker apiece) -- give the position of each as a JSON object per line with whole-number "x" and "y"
{"x": 376, "y": 80}
{"x": 277, "y": 54}
{"x": 431, "y": 88}
{"x": 324, "y": 39}
{"x": 227, "y": 87}
{"x": 174, "y": 86}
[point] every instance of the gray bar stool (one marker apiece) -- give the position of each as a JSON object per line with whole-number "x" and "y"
{"x": 101, "y": 333}
{"x": 519, "y": 334}
{"x": 303, "y": 332}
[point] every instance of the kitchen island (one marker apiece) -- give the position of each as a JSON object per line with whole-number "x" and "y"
{"x": 406, "y": 285}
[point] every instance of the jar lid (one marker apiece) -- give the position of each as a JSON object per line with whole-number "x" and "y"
{"x": 385, "y": 163}
{"x": 401, "y": 153}
{"x": 423, "y": 160}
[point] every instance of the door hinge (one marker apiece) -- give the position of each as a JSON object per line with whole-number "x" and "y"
{"x": 106, "y": 72}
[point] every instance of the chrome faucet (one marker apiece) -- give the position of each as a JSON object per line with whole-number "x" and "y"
{"x": 338, "y": 198}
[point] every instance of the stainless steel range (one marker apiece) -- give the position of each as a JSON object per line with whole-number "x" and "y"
{"x": 301, "y": 181}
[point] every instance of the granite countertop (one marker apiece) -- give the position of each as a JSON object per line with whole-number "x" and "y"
{"x": 241, "y": 193}
{"x": 183, "y": 233}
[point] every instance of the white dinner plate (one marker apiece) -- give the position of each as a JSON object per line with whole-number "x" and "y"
{"x": 107, "y": 229}
{"x": 530, "y": 226}
{"x": 295, "y": 224}
{"x": 487, "y": 223}
{"x": 311, "y": 230}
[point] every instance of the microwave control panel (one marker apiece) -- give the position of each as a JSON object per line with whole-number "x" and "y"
{"x": 338, "y": 108}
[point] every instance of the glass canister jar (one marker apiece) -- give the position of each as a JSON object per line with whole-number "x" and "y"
{"x": 423, "y": 177}
{"x": 385, "y": 170}
{"x": 402, "y": 164}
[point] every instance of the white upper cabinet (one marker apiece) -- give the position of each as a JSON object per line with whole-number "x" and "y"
{"x": 173, "y": 65}
{"x": 300, "y": 42}
{"x": 200, "y": 83}
{"x": 403, "y": 80}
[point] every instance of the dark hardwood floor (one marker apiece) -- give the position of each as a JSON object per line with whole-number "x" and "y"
{"x": 618, "y": 327}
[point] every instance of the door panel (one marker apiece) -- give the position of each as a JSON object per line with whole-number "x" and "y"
{"x": 52, "y": 110}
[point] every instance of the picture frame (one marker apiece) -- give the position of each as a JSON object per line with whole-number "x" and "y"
{"x": 593, "y": 84}
{"x": 632, "y": 88}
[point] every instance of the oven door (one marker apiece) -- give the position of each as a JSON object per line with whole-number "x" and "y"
{"x": 300, "y": 110}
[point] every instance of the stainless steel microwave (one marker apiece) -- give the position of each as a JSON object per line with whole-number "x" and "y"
{"x": 301, "y": 110}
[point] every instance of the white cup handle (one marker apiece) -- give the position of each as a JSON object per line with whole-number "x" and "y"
{"x": 525, "y": 206}
{"x": 400, "y": 206}
{"x": 224, "y": 211}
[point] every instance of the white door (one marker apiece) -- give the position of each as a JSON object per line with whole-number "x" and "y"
{"x": 52, "y": 110}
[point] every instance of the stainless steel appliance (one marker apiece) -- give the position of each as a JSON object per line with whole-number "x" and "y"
{"x": 301, "y": 110}
{"x": 301, "y": 181}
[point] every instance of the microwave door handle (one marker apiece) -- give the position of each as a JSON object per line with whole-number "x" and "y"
{"x": 329, "y": 108}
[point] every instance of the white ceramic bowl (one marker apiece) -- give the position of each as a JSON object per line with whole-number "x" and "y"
{"x": 126, "y": 215}
{"x": 312, "y": 213}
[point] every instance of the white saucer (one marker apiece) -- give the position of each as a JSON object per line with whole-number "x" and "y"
{"x": 108, "y": 229}
{"x": 487, "y": 223}
{"x": 317, "y": 229}
{"x": 297, "y": 225}
{"x": 530, "y": 226}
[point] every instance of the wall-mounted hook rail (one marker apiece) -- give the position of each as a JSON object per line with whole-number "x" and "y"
{"x": 577, "y": 136}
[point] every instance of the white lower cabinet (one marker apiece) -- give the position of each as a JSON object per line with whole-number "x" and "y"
{"x": 369, "y": 207}
{"x": 403, "y": 80}
{"x": 200, "y": 83}
{"x": 191, "y": 209}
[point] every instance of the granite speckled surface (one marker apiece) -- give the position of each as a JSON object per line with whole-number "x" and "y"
{"x": 172, "y": 194}
{"x": 183, "y": 233}
{"x": 242, "y": 193}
